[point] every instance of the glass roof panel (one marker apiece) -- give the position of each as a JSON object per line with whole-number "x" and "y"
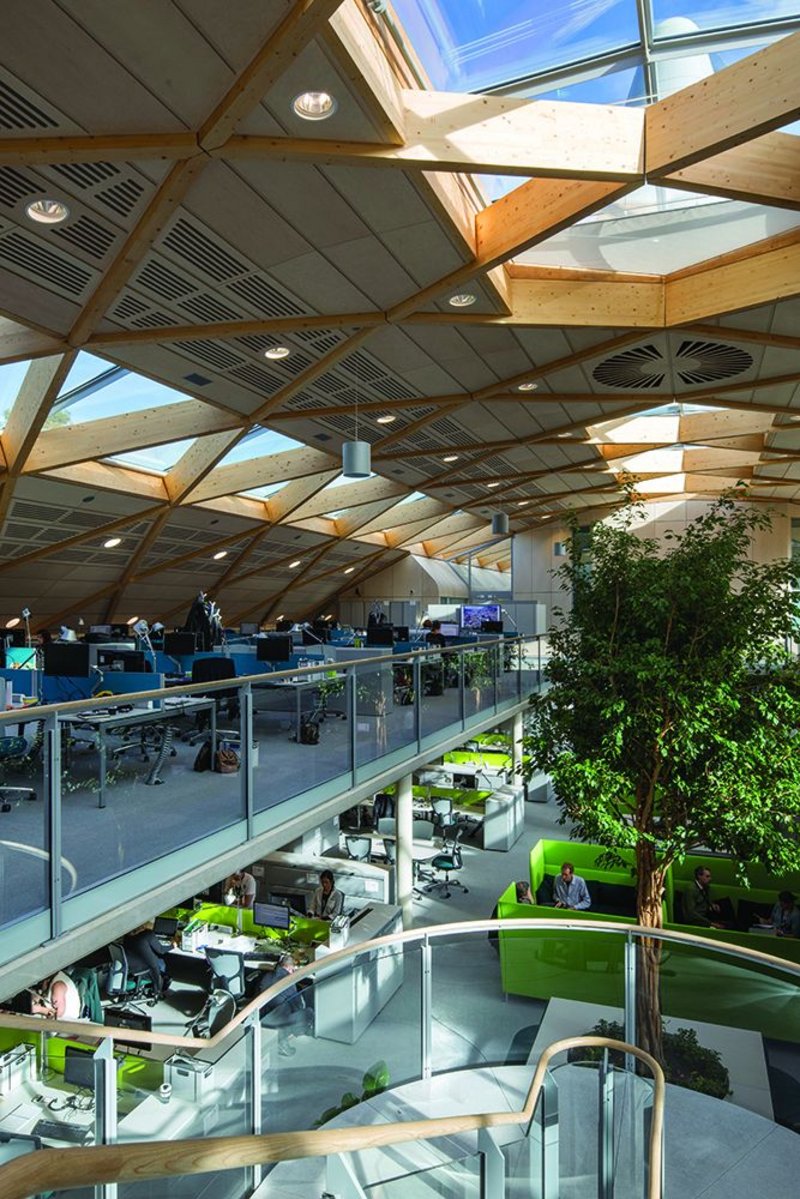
{"x": 673, "y": 17}
{"x": 85, "y": 368}
{"x": 11, "y": 376}
{"x": 127, "y": 393}
{"x": 157, "y": 458}
{"x": 258, "y": 444}
{"x": 263, "y": 493}
{"x": 470, "y": 45}
{"x": 655, "y": 233}
{"x": 613, "y": 85}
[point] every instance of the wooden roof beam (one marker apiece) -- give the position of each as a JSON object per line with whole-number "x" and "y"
{"x": 764, "y": 171}
{"x": 262, "y": 471}
{"x": 749, "y": 98}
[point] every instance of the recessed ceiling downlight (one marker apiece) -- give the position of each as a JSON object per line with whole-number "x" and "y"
{"x": 220, "y": 554}
{"x": 527, "y": 387}
{"x": 462, "y": 300}
{"x": 386, "y": 420}
{"x": 111, "y": 543}
{"x": 47, "y": 211}
{"x": 314, "y": 106}
{"x": 277, "y": 352}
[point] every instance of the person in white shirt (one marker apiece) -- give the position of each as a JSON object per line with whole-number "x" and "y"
{"x": 240, "y": 889}
{"x": 57, "y": 998}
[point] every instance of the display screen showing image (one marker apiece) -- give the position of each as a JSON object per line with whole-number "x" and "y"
{"x": 473, "y": 615}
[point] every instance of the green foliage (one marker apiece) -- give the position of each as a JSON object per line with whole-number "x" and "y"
{"x": 673, "y": 712}
{"x": 686, "y": 1062}
{"x": 55, "y": 420}
{"x": 374, "y": 1081}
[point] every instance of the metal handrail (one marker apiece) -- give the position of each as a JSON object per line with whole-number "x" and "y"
{"x": 100, "y": 1165}
{"x": 39, "y": 711}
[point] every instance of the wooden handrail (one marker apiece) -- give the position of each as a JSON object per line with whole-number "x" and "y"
{"x": 141, "y": 1161}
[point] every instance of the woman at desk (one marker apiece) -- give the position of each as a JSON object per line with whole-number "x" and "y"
{"x": 327, "y": 902}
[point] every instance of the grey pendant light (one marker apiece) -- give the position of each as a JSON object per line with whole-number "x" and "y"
{"x": 500, "y": 524}
{"x": 356, "y": 455}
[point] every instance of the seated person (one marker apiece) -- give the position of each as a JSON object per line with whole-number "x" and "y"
{"x": 435, "y": 638}
{"x": 326, "y": 902}
{"x": 698, "y": 906}
{"x": 57, "y": 998}
{"x": 290, "y": 1010}
{"x": 784, "y": 917}
{"x": 146, "y": 954}
{"x": 240, "y": 890}
{"x": 570, "y": 890}
{"x": 523, "y": 890}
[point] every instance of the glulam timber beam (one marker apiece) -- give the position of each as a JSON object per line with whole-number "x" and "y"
{"x": 764, "y": 171}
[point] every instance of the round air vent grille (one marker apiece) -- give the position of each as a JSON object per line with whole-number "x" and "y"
{"x": 709, "y": 361}
{"x": 644, "y": 368}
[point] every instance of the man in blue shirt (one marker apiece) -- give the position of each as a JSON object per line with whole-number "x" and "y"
{"x": 570, "y": 890}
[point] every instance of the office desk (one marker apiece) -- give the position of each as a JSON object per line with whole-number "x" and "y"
{"x": 103, "y": 724}
{"x": 303, "y": 686}
{"x": 21, "y": 1109}
{"x": 347, "y": 999}
{"x": 248, "y": 946}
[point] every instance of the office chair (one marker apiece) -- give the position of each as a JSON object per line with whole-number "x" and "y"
{"x": 19, "y": 751}
{"x": 217, "y": 1011}
{"x": 228, "y": 973}
{"x": 449, "y": 860}
{"x": 358, "y": 848}
{"x": 423, "y": 830}
{"x": 444, "y": 818}
{"x": 125, "y": 986}
{"x": 385, "y": 826}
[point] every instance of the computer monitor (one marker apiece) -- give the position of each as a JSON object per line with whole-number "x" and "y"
{"x": 273, "y": 649}
{"x": 100, "y": 628}
{"x": 283, "y": 626}
{"x": 491, "y": 626}
{"x": 314, "y": 636}
{"x": 70, "y": 660}
{"x": 449, "y": 630}
{"x": 165, "y": 926}
{"x": 122, "y": 1018}
{"x": 17, "y": 638}
{"x": 380, "y": 634}
{"x": 401, "y": 632}
{"x": 132, "y": 661}
{"x": 21, "y": 659}
{"x": 248, "y": 628}
{"x": 473, "y": 615}
{"x": 79, "y": 1067}
{"x": 272, "y": 915}
{"x": 295, "y": 900}
{"x": 178, "y": 644}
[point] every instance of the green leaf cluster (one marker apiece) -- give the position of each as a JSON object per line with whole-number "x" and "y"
{"x": 374, "y": 1081}
{"x": 671, "y": 718}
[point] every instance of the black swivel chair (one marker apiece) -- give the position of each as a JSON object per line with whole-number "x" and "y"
{"x": 126, "y": 986}
{"x": 228, "y": 974}
{"x": 448, "y": 861}
{"x": 211, "y": 670}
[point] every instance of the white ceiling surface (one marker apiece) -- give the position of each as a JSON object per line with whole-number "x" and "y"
{"x": 256, "y": 239}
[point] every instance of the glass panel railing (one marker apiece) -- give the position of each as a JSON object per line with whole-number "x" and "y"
{"x": 24, "y": 821}
{"x": 456, "y": 1179}
{"x": 509, "y": 678}
{"x": 384, "y": 710}
{"x": 115, "y": 758}
{"x": 440, "y": 696}
{"x": 480, "y": 676}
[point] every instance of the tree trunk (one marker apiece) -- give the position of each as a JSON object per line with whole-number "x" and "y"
{"x": 649, "y": 885}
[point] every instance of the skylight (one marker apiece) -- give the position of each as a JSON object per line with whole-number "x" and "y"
{"x": 258, "y": 444}
{"x": 157, "y": 458}
{"x": 123, "y": 392}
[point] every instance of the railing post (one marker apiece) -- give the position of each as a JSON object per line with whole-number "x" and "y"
{"x": 493, "y": 1166}
{"x": 52, "y": 789}
{"x": 426, "y": 1009}
{"x": 246, "y": 755}
{"x": 352, "y": 682}
{"x": 462, "y": 698}
{"x": 544, "y": 1133}
{"x": 253, "y": 1051}
{"x": 605, "y": 1129}
{"x": 630, "y": 997}
{"x": 416, "y": 684}
{"x": 105, "y": 1112}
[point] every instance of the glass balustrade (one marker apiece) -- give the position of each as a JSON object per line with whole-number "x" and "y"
{"x": 122, "y": 782}
{"x": 434, "y": 1023}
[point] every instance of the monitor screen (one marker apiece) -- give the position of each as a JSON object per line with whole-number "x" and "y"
{"x": 100, "y": 628}
{"x": 283, "y": 626}
{"x": 491, "y": 626}
{"x": 296, "y": 900}
{"x": 272, "y": 915}
{"x": 401, "y": 632}
{"x": 20, "y": 659}
{"x": 79, "y": 1067}
{"x": 176, "y": 644}
{"x": 273, "y": 649}
{"x": 449, "y": 630}
{"x": 249, "y": 628}
{"x": 121, "y": 1018}
{"x": 70, "y": 660}
{"x": 165, "y": 926}
{"x": 133, "y": 661}
{"x": 380, "y": 634}
{"x": 473, "y": 615}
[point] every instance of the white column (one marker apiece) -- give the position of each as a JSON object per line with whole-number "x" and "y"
{"x": 516, "y": 730}
{"x": 404, "y": 832}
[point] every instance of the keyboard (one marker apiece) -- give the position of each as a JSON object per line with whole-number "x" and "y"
{"x": 263, "y": 955}
{"x": 58, "y": 1130}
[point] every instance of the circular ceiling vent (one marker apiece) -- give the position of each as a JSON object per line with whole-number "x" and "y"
{"x": 637, "y": 369}
{"x": 645, "y": 369}
{"x": 709, "y": 361}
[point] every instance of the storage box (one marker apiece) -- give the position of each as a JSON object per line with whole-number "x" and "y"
{"x": 191, "y": 1079}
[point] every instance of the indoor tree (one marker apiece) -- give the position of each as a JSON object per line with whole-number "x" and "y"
{"x": 671, "y": 719}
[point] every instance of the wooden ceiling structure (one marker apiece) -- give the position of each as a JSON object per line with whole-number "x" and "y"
{"x": 209, "y": 223}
